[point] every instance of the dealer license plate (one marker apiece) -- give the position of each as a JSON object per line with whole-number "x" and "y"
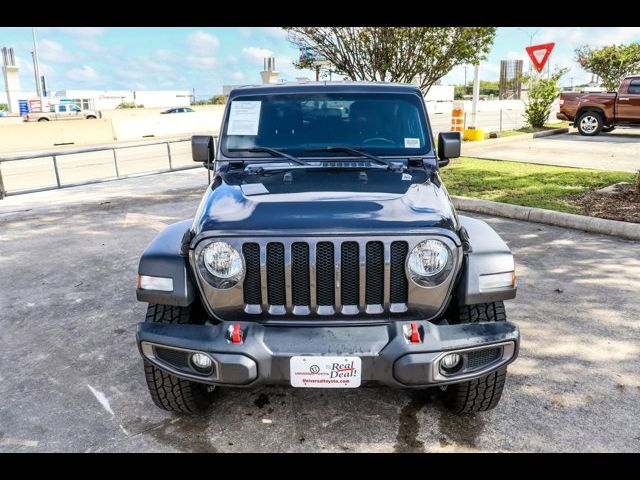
{"x": 325, "y": 372}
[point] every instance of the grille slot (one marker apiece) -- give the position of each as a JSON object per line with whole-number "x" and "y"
{"x": 275, "y": 274}
{"x": 479, "y": 358}
{"x": 350, "y": 273}
{"x": 374, "y": 293}
{"x": 252, "y": 285}
{"x": 325, "y": 274}
{"x": 300, "y": 293}
{"x": 399, "y": 284}
{"x": 177, "y": 358}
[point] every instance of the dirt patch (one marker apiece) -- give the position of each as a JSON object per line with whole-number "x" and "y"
{"x": 621, "y": 204}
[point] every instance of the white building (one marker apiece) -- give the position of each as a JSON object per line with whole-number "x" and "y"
{"x": 110, "y": 99}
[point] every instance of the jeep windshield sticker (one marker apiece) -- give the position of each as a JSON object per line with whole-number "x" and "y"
{"x": 406, "y": 176}
{"x": 411, "y": 143}
{"x": 244, "y": 118}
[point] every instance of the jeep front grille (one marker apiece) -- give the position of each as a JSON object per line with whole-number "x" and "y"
{"x": 301, "y": 277}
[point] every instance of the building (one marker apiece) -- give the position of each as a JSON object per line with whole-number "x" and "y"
{"x": 110, "y": 99}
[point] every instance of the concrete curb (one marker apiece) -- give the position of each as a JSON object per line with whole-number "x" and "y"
{"x": 630, "y": 231}
{"x": 518, "y": 138}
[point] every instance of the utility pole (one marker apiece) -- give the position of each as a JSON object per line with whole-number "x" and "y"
{"x": 476, "y": 95}
{"x": 531, "y": 35}
{"x": 36, "y": 64}
{"x": 465, "y": 80}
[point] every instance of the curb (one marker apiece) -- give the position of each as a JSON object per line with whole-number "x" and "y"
{"x": 630, "y": 231}
{"x": 519, "y": 138}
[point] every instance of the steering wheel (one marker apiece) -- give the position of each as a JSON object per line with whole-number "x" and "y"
{"x": 379, "y": 139}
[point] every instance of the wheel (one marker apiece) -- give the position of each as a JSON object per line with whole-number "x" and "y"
{"x": 43, "y": 119}
{"x": 168, "y": 391}
{"x": 482, "y": 393}
{"x": 91, "y": 117}
{"x": 608, "y": 129}
{"x": 590, "y": 124}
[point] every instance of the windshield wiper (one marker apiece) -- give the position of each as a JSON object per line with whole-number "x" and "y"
{"x": 355, "y": 151}
{"x": 272, "y": 151}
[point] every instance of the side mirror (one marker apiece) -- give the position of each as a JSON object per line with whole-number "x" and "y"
{"x": 202, "y": 148}
{"x": 449, "y": 144}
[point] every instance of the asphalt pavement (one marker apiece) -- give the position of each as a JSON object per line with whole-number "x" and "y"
{"x": 71, "y": 377}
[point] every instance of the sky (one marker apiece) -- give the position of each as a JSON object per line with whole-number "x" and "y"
{"x": 183, "y": 58}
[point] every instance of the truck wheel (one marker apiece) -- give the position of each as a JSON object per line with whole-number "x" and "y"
{"x": 43, "y": 119}
{"x": 590, "y": 124}
{"x": 168, "y": 391}
{"x": 608, "y": 129}
{"x": 482, "y": 393}
{"x": 91, "y": 117}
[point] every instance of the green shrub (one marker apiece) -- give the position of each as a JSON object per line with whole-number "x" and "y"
{"x": 542, "y": 93}
{"x": 129, "y": 105}
{"x": 4, "y": 107}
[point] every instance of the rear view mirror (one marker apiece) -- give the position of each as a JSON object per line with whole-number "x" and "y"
{"x": 202, "y": 148}
{"x": 448, "y": 147}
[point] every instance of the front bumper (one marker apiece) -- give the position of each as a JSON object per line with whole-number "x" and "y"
{"x": 388, "y": 356}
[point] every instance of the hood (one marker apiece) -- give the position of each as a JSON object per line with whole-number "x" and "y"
{"x": 325, "y": 201}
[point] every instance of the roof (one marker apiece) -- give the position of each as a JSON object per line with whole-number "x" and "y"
{"x": 314, "y": 87}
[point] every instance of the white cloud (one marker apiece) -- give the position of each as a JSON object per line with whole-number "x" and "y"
{"x": 85, "y": 73}
{"x": 82, "y": 31}
{"x": 91, "y": 45}
{"x": 201, "y": 63}
{"x": 256, "y": 54}
{"x": 164, "y": 55}
{"x": 54, "y": 52}
{"x": 274, "y": 32}
{"x": 239, "y": 76}
{"x": 574, "y": 37}
{"x": 202, "y": 43}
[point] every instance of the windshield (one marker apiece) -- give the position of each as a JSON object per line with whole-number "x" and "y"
{"x": 382, "y": 124}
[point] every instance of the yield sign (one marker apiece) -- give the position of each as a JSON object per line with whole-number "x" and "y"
{"x": 539, "y": 54}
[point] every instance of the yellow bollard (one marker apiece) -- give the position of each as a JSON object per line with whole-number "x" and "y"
{"x": 473, "y": 134}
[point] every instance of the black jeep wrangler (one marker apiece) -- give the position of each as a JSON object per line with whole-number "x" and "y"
{"x": 326, "y": 253}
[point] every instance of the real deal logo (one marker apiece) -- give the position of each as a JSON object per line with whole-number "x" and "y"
{"x": 342, "y": 370}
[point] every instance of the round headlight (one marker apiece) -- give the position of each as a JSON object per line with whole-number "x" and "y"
{"x": 223, "y": 262}
{"x": 429, "y": 261}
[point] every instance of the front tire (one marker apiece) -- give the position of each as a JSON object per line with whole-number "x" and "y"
{"x": 168, "y": 391}
{"x": 590, "y": 124}
{"x": 483, "y": 393}
{"x": 43, "y": 119}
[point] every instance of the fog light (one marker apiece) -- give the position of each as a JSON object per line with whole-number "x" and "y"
{"x": 202, "y": 361}
{"x": 451, "y": 361}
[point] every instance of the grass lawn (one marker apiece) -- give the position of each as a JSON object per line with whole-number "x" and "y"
{"x": 525, "y": 184}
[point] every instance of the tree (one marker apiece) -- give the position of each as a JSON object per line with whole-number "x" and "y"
{"x": 4, "y": 107}
{"x": 542, "y": 93}
{"x": 611, "y": 63}
{"x": 394, "y": 54}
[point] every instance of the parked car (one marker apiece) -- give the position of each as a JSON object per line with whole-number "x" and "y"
{"x": 68, "y": 111}
{"x": 592, "y": 113}
{"x": 326, "y": 253}
{"x": 178, "y": 110}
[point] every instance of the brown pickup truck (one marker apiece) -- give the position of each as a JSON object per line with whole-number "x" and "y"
{"x": 592, "y": 113}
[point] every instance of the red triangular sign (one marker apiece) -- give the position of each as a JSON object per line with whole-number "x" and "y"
{"x": 539, "y": 54}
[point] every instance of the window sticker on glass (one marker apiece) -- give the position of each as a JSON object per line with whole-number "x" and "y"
{"x": 244, "y": 118}
{"x": 411, "y": 143}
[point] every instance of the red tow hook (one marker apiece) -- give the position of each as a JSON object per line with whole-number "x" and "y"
{"x": 235, "y": 333}
{"x": 415, "y": 334}
{"x": 411, "y": 332}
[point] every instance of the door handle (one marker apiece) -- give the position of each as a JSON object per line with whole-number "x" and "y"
{"x": 624, "y": 99}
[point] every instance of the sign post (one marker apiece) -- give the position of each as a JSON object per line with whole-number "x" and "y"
{"x": 539, "y": 54}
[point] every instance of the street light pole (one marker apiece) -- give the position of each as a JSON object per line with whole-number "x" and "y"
{"x": 36, "y": 64}
{"x": 531, "y": 35}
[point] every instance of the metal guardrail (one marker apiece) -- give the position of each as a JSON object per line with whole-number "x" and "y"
{"x": 54, "y": 154}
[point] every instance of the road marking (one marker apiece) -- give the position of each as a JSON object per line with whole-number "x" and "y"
{"x": 124, "y": 430}
{"x": 102, "y": 399}
{"x": 20, "y": 442}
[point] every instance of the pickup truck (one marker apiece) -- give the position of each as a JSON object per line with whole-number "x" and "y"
{"x": 592, "y": 113}
{"x": 62, "y": 112}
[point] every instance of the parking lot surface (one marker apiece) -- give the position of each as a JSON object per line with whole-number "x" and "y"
{"x": 617, "y": 150}
{"x": 71, "y": 377}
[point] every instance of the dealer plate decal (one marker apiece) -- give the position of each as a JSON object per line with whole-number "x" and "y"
{"x": 325, "y": 372}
